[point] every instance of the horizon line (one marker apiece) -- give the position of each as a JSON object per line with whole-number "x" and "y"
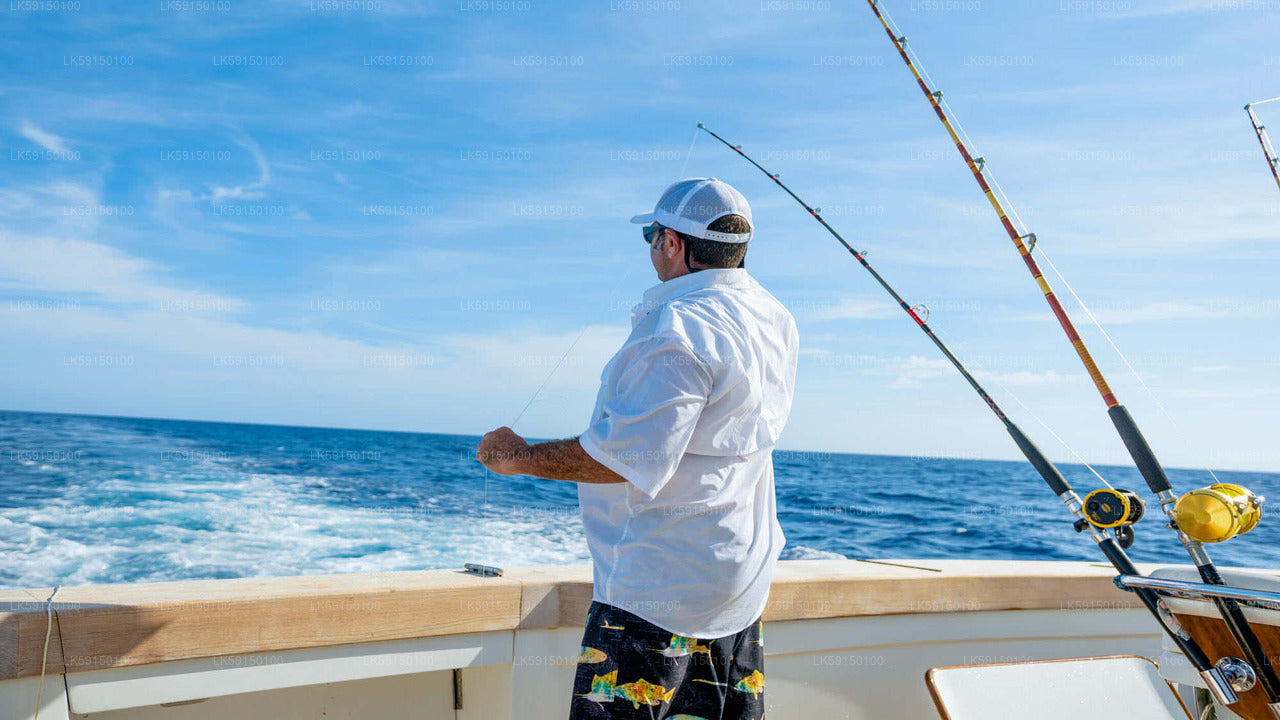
{"x": 470, "y": 435}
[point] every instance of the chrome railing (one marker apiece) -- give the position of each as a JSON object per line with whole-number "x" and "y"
{"x": 1200, "y": 591}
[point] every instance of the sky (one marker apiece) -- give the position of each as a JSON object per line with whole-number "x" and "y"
{"x": 410, "y": 216}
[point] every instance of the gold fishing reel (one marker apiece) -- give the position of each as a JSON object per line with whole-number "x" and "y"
{"x": 1111, "y": 507}
{"x": 1115, "y": 509}
{"x": 1217, "y": 513}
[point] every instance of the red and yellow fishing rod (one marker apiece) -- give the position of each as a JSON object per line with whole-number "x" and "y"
{"x": 1107, "y": 514}
{"x": 1273, "y": 160}
{"x": 1183, "y": 513}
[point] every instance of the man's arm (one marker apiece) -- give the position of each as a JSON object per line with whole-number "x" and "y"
{"x": 506, "y": 453}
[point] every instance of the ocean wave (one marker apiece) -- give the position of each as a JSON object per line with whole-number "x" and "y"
{"x": 127, "y": 500}
{"x": 800, "y": 552}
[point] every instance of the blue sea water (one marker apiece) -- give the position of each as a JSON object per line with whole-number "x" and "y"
{"x": 86, "y": 500}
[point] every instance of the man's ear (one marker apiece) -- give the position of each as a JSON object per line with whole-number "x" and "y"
{"x": 675, "y": 241}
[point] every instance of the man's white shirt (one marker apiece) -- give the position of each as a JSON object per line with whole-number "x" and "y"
{"x": 689, "y": 411}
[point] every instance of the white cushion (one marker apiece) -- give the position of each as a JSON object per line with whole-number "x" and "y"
{"x": 1126, "y": 686}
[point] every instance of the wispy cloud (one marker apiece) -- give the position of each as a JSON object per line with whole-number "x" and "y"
{"x": 1156, "y": 8}
{"x": 1218, "y": 309}
{"x": 846, "y": 309}
{"x": 251, "y": 190}
{"x": 914, "y": 371}
{"x": 44, "y": 139}
{"x": 97, "y": 272}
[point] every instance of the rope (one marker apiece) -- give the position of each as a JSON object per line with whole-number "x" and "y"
{"x": 44, "y": 658}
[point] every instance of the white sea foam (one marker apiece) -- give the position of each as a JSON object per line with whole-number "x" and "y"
{"x": 144, "y": 529}
{"x": 800, "y": 552}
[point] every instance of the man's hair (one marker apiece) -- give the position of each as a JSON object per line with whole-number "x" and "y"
{"x": 716, "y": 254}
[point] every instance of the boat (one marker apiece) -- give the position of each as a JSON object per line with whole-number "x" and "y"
{"x": 844, "y": 639}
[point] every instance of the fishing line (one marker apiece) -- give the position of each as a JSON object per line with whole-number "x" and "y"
{"x": 1143, "y": 456}
{"x": 547, "y": 379}
{"x": 984, "y": 167}
{"x": 689, "y": 154}
{"x": 1055, "y": 435}
{"x": 1108, "y": 542}
{"x": 533, "y": 397}
{"x": 992, "y": 376}
{"x": 919, "y": 314}
{"x": 1177, "y": 428}
{"x": 573, "y": 344}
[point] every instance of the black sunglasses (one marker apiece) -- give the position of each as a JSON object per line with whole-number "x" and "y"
{"x": 650, "y": 232}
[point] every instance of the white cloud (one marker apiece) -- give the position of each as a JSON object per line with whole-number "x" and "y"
{"x": 914, "y": 371}
{"x": 1157, "y": 8}
{"x": 51, "y": 201}
{"x": 1218, "y": 309}
{"x": 198, "y": 362}
{"x": 218, "y": 345}
{"x": 252, "y": 190}
{"x": 1025, "y": 377}
{"x": 100, "y": 272}
{"x": 44, "y": 139}
{"x": 136, "y": 312}
{"x": 524, "y": 361}
{"x": 847, "y": 309}
{"x": 1179, "y": 310}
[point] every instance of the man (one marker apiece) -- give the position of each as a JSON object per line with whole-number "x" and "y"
{"x": 675, "y": 475}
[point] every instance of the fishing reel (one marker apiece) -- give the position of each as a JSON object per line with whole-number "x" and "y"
{"x": 1114, "y": 509}
{"x": 1217, "y": 513}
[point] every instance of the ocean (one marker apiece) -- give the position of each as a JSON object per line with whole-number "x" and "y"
{"x": 91, "y": 500}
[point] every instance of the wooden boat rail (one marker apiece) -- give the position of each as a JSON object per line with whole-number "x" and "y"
{"x": 113, "y": 626}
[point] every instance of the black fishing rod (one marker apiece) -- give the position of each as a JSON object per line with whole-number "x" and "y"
{"x": 1182, "y": 515}
{"x": 1100, "y": 515}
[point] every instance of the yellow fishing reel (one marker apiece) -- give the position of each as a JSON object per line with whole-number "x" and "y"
{"x": 1115, "y": 509}
{"x": 1217, "y": 513}
{"x": 1111, "y": 508}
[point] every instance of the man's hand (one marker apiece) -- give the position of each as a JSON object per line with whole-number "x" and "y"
{"x": 503, "y": 451}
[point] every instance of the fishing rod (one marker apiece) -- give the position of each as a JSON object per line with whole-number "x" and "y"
{"x": 1181, "y": 512}
{"x": 1273, "y": 160}
{"x": 1100, "y": 511}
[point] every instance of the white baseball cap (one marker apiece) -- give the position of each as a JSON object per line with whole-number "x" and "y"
{"x": 692, "y": 204}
